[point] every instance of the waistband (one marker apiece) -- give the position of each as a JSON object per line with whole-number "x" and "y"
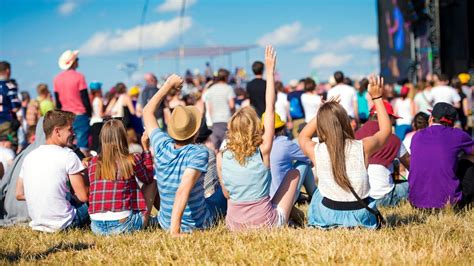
{"x": 344, "y": 205}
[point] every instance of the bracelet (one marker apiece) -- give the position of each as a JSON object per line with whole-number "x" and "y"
{"x": 377, "y": 98}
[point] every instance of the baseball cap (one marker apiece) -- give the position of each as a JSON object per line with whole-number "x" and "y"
{"x": 444, "y": 112}
{"x": 388, "y": 107}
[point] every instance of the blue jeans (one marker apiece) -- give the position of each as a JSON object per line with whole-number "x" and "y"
{"x": 132, "y": 223}
{"x": 217, "y": 203}
{"x": 81, "y": 130}
{"x": 82, "y": 213}
{"x": 306, "y": 180}
{"x": 393, "y": 198}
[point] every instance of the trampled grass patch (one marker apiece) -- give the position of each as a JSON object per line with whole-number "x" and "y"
{"x": 411, "y": 237}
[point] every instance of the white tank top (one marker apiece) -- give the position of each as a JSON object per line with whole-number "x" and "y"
{"x": 96, "y": 118}
{"x": 355, "y": 168}
{"x": 117, "y": 110}
{"x": 404, "y": 111}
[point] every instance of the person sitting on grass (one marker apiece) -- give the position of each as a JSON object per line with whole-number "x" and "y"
{"x": 384, "y": 188}
{"x": 180, "y": 165}
{"x": 287, "y": 155}
{"x": 437, "y": 177}
{"x": 47, "y": 174}
{"x": 342, "y": 197}
{"x": 116, "y": 202}
{"x": 244, "y": 165}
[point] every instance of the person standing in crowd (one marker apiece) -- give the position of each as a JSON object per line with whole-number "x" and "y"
{"x": 44, "y": 99}
{"x": 150, "y": 89}
{"x": 282, "y": 106}
{"x": 297, "y": 114}
{"x": 310, "y": 99}
{"x": 383, "y": 187}
{"x": 423, "y": 99}
{"x": 463, "y": 109}
{"x": 71, "y": 95}
{"x": 180, "y": 165}
{"x": 97, "y": 113}
{"x": 244, "y": 164}
{"x": 362, "y": 101}
{"x": 48, "y": 176}
{"x": 420, "y": 121}
{"x": 256, "y": 88}
{"x": 121, "y": 106}
{"x": 117, "y": 204}
{"x": 220, "y": 104}
{"x": 442, "y": 92}
{"x": 435, "y": 178}
{"x": 9, "y": 102}
{"x": 342, "y": 197}
{"x": 404, "y": 108}
{"x": 346, "y": 93}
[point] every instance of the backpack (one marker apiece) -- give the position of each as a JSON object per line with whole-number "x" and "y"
{"x": 296, "y": 111}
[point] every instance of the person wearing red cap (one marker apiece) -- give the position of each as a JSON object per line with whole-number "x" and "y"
{"x": 437, "y": 177}
{"x": 405, "y": 108}
{"x": 383, "y": 187}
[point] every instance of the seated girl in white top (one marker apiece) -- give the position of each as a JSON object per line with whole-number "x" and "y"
{"x": 341, "y": 164}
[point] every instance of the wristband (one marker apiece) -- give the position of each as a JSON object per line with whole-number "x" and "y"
{"x": 377, "y": 98}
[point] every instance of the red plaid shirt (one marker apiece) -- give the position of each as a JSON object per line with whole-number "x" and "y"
{"x": 120, "y": 195}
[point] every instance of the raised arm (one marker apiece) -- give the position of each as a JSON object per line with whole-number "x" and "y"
{"x": 269, "y": 119}
{"x": 375, "y": 142}
{"x": 149, "y": 119}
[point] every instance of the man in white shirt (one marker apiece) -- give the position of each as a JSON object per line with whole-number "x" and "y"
{"x": 444, "y": 93}
{"x": 49, "y": 176}
{"x": 347, "y": 94}
{"x": 220, "y": 104}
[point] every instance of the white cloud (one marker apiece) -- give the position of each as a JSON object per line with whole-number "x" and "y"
{"x": 155, "y": 35}
{"x": 174, "y": 5}
{"x": 67, "y": 8}
{"x": 310, "y": 46}
{"x": 330, "y": 60}
{"x": 366, "y": 42}
{"x": 285, "y": 35}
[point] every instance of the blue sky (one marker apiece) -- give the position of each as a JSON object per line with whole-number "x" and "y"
{"x": 312, "y": 37}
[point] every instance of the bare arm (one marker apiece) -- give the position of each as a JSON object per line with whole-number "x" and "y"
{"x": 129, "y": 103}
{"x": 20, "y": 189}
{"x": 269, "y": 123}
{"x": 375, "y": 142}
{"x": 219, "y": 174}
{"x": 188, "y": 181}
{"x": 149, "y": 119}
{"x": 304, "y": 139}
{"x": 79, "y": 186}
{"x": 405, "y": 160}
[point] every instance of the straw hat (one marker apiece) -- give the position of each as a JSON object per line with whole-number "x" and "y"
{"x": 67, "y": 59}
{"x": 185, "y": 122}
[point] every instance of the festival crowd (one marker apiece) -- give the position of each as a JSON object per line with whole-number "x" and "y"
{"x": 213, "y": 147}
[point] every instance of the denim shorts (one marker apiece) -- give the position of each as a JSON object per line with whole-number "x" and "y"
{"x": 132, "y": 223}
{"x": 394, "y": 197}
{"x": 81, "y": 130}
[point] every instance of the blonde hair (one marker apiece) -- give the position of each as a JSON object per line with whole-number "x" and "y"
{"x": 244, "y": 134}
{"x": 114, "y": 161}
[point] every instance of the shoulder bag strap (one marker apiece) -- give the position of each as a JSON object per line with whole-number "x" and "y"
{"x": 376, "y": 213}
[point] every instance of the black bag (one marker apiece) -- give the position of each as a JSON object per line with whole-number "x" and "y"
{"x": 380, "y": 220}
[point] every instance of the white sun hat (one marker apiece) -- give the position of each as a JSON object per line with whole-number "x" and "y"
{"x": 67, "y": 59}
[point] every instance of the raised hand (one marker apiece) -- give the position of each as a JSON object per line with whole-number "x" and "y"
{"x": 375, "y": 88}
{"x": 145, "y": 141}
{"x": 270, "y": 58}
{"x": 174, "y": 81}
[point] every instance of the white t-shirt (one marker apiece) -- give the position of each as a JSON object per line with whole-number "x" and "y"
{"x": 217, "y": 98}
{"x": 6, "y": 158}
{"x": 380, "y": 178}
{"x": 403, "y": 107}
{"x": 445, "y": 94}
{"x": 45, "y": 173}
{"x": 281, "y": 105}
{"x": 423, "y": 101}
{"x": 311, "y": 104}
{"x": 348, "y": 95}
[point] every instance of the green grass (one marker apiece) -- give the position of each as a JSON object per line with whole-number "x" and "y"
{"x": 411, "y": 237}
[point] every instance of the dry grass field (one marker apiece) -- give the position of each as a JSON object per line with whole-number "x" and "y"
{"x": 411, "y": 237}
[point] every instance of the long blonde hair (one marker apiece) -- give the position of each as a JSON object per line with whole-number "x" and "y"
{"x": 334, "y": 128}
{"x": 244, "y": 134}
{"x": 114, "y": 161}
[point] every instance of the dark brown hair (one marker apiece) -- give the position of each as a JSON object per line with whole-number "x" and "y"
{"x": 56, "y": 118}
{"x": 334, "y": 128}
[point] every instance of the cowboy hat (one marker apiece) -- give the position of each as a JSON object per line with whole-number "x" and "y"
{"x": 67, "y": 58}
{"x": 185, "y": 122}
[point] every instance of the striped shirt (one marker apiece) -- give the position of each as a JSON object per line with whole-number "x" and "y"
{"x": 170, "y": 164}
{"x": 8, "y": 99}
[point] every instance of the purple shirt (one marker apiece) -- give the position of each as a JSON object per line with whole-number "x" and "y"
{"x": 434, "y": 155}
